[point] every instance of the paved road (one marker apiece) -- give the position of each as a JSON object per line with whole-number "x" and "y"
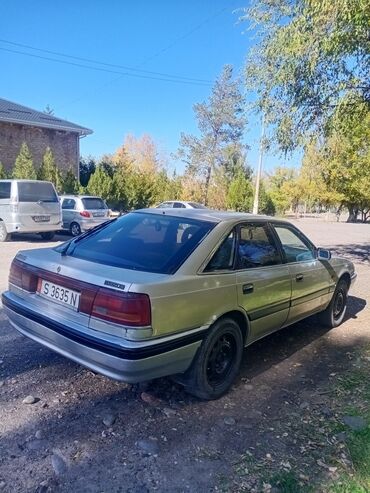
{"x": 87, "y": 433}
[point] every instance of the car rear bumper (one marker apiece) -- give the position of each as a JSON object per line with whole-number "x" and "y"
{"x": 34, "y": 228}
{"x": 132, "y": 362}
{"x": 87, "y": 224}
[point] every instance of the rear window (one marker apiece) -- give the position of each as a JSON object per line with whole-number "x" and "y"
{"x": 5, "y": 190}
{"x": 36, "y": 191}
{"x": 92, "y": 203}
{"x": 195, "y": 205}
{"x": 145, "y": 242}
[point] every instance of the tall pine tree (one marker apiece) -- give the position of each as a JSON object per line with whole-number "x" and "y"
{"x": 23, "y": 168}
{"x": 48, "y": 170}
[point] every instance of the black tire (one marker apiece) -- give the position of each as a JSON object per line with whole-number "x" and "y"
{"x": 217, "y": 361}
{"x": 334, "y": 314}
{"x": 75, "y": 229}
{"x": 4, "y": 235}
{"x": 47, "y": 235}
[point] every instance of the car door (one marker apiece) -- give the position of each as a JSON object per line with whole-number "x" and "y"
{"x": 310, "y": 277}
{"x": 68, "y": 206}
{"x": 263, "y": 280}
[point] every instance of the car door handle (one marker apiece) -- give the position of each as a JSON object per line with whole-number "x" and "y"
{"x": 299, "y": 277}
{"x": 248, "y": 288}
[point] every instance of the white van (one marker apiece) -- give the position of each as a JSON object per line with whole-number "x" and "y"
{"x": 29, "y": 206}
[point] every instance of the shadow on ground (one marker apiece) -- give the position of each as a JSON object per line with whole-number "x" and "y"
{"x": 356, "y": 252}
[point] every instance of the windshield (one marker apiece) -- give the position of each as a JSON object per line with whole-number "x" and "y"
{"x": 92, "y": 203}
{"x": 146, "y": 242}
{"x": 195, "y": 205}
{"x": 35, "y": 191}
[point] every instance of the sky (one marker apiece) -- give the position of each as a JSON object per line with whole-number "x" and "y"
{"x": 158, "y": 58}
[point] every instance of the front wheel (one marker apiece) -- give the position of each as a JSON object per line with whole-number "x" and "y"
{"x": 334, "y": 314}
{"x": 47, "y": 235}
{"x": 217, "y": 362}
{"x": 4, "y": 235}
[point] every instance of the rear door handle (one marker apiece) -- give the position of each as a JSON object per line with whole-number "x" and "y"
{"x": 299, "y": 277}
{"x": 248, "y": 288}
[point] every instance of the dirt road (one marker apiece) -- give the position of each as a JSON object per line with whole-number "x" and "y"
{"x": 86, "y": 433}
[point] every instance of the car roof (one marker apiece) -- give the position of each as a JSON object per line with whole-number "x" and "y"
{"x": 210, "y": 215}
{"x": 67, "y": 196}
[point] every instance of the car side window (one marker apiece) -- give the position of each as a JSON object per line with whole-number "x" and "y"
{"x": 178, "y": 205}
{"x": 256, "y": 247}
{"x": 68, "y": 204}
{"x": 223, "y": 259}
{"x": 294, "y": 246}
{"x": 5, "y": 190}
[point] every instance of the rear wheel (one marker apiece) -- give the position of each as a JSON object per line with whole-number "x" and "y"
{"x": 217, "y": 362}
{"x": 47, "y": 235}
{"x": 334, "y": 314}
{"x": 4, "y": 235}
{"x": 75, "y": 229}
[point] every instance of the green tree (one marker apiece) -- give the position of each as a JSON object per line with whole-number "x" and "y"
{"x": 101, "y": 184}
{"x": 221, "y": 122}
{"x": 3, "y": 173}
{"x": 23, "y": 168}
{"x": 240, "y": 194}
{"x": 70, "y": 183}
{"x": 87, "y": 168}
{"x": 310, "y": 54}
{"x": 49, "y": 171}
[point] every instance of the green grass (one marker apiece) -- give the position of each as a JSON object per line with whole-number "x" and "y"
{"x": 287, "y": 482}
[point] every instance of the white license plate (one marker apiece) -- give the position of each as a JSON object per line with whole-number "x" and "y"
{"x": 64, "y": 296}
{"x": 99, "y": 214}
{"x": 41, "y": 219}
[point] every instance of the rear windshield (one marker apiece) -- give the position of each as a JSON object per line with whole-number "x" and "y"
{"x": 92, "y": 203}
{"x": 36, "y": 191}
{"x": 195, "y": 205}
{"x": 142, "y": 241}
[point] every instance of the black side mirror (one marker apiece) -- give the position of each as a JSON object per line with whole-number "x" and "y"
{"x": 323, "y": 254}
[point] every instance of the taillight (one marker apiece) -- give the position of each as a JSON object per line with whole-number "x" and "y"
{"x": 21, "y": 277}
{"x": 132, "y": 309}
{"x": 85, "y": 214}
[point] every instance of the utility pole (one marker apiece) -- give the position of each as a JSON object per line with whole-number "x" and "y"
{"x": 259, "y": 168}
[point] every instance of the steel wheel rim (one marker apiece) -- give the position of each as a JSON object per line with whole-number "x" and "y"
{"x": 339, "y": 304}
{"x": 221, "y": 358}
{"x": 75, "y": 230}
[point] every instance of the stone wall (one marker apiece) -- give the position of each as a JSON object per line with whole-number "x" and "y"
{"x": 65, "y": 145}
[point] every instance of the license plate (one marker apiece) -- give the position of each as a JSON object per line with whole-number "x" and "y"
{"x": 41, "y": 219}
{"x": 64, "y": 296}
{"x": 99, "y": 214}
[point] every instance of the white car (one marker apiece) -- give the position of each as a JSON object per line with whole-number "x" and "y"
{"x": 180, "y": 204}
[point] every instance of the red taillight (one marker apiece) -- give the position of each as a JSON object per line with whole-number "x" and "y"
{"x": 85, "y": 214}
{"x": 131, "y": 309}
{"x": 22, "y": 277}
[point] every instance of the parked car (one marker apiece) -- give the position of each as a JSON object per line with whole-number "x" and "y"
{"x": 83, "y": 212}
{"x": 29, "y": 206}
{"x": 163, "y": 292}
{"x": 180, "y": 204}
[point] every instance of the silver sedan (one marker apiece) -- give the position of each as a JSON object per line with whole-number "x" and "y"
{"x": 174, "y": 292}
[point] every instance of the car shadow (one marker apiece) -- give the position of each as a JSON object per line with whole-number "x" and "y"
{"x": 357, "y": 252}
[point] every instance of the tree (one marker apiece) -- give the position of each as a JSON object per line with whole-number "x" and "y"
{"x": 221, "y": 122}
{"x": 143, "y": 153}
{"x": 345, "y": 160}
{"x": 100, "y": 184}
{"x": 310, "y": 54}
{"x": 70, "y": 183}
{"x": 87, "y": 168}
{"x": 23, "y": 168}
{"x": 3, "y": 173}
{"x": 48, "y": 170}
{"x": 240, "y": 194}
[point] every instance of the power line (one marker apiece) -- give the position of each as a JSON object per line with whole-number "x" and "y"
{"x": 97, "y": 62}
{"x": 100, "y": 69}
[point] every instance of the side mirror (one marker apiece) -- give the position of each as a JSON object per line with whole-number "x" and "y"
{"x": 323, "y": 254}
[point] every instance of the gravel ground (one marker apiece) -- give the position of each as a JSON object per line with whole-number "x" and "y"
{"x": 84, "y": 432}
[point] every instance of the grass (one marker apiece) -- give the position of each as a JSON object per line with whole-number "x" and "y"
{"x": 287, "y": 482}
